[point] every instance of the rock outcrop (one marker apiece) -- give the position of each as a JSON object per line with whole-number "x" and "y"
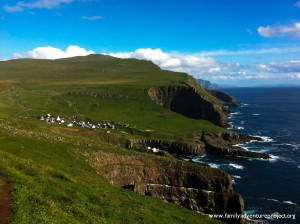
{"x": 180, "y": 148}
{"x": 220, "y": 143}
{"x": 200, "y": 188}
{"x": 189, "y": 102}
{"x": 223, "y": 143}
{"x": 227, "y": 99}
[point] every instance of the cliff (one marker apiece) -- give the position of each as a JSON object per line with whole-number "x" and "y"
{"x": 196, "y": 187}
{"x": 207, "y": 84}
{"x": 224, "y": 144}
{"x": 220, "y": 143}
{"x": 227, "y": 99}
{"x": 187, "y": 101}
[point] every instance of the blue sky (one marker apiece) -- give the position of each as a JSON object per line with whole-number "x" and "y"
{"x": 239, "y": 42}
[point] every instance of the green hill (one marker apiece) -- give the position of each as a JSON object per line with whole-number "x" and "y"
{"x": 31, "y": 87}
{"x": 60, "y": 175}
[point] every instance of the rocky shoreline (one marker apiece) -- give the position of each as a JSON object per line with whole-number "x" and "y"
{"x": 220, "y": 143}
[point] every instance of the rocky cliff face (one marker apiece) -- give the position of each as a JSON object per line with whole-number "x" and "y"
{"x": 227, "y": 99}
{"x": 187, "y": 101}
{"x": 221, "y": 143}
{"x": 180, "y": 148}
{"x": 199, "y": 188}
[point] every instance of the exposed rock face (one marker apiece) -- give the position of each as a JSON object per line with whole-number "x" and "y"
{"x": 227, "y": 99}
{"x": 223, "y": 144}
{"x": 187, "y": 101}
{"x": 180, "y": 148}
{"x": 199, "y": 188}
{"x": 207, "y": 84}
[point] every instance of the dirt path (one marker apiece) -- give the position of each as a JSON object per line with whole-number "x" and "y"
{"x": 6, "y": 201}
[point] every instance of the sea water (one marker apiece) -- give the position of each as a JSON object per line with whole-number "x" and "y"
{"x": 267, "y": 186}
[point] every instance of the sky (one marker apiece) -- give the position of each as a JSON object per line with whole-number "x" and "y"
{"x": 232, "y": 42}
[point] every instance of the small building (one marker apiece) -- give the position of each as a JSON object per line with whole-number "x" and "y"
{"x": 70, "y": 125}
{"x": 62, "y": 121}
{"x": 58, "y": 119}
{"x": 42, "y": 118}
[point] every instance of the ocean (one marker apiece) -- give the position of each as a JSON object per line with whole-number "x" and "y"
{"x": 273, "y": 186}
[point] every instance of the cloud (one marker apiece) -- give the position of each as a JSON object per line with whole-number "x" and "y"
{"x": 180, "y": 63}
{"x": 292, "y": 66}
{"x": 40, "y": 4}
{"x": 53, "y": 53}
{"x": 92, "y": 17}
{"x": 297, "y": 4}
{"x": 291, "y": 30}
{"x": 198, "y": 66}
{"x": 212, "y": 69}
{"x": 249, "y": 52}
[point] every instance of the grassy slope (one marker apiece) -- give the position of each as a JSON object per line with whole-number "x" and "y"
{"x": 51, "y": 178}
{"x": 53, "y": 182}
{"x": 31, "y": 87}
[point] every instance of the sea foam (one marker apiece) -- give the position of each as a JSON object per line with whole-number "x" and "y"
{"x": 236, "y": 166}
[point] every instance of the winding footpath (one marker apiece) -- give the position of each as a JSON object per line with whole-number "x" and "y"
{"x": 6, "y": 201}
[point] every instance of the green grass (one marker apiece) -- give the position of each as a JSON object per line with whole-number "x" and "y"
{"x": 53, "y": 182}
{"x": 48, "y": 168}
{"x": 32, "y": 87}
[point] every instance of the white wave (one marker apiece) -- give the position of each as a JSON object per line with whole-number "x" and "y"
{"x": 265, "y": 138}
{"x": 242, "y": 146}
{"x": 236, "y": 127}
{"x": 255, "y": 114}
{"x": 289, "y": 202}
{"x": 236, "y": 176}
{"x": 236, "y": 166}
{"x": 244, "y": 105}
{"x": 294, "y": 146}
{"x": 273, "y": 158}
{"x": 271, "y": 199}
{"x": 235, "y": 113}
{"x": 214, "y": 165}
{"x": 298, "y": 167}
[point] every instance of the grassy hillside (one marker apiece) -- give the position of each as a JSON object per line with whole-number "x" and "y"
{"x": 32, "y": 87}
{"x": 48, "y": 166}
{"x": 53, "y": 181}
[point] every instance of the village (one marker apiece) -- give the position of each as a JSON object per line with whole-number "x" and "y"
{"x": 73, "y": 122}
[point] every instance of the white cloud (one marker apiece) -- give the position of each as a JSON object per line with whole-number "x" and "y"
{"x": 289, "y": 66}
{"x": 295, "y": 76}
{"x": 92, "y": 17}
{"x": 40, "y": 4}
{"x": 198, "y": 66}
{"x": 297, "y": 4}
{"x": 249, "y": 52}
{"x": 212, "y": 70}
{"x": 180, "y": 63}
{"x": 291, "y": 30}
{"x": 53, "y": 53}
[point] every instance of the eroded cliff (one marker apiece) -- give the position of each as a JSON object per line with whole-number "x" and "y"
{"x": 187, "y": 101}
{"x": 199, "y": 188}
